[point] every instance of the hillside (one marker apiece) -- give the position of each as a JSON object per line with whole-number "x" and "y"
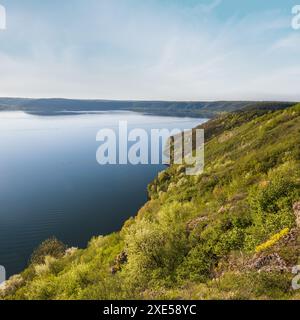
{"x": 231, "y": 233}
{"x": 163, "y": 108}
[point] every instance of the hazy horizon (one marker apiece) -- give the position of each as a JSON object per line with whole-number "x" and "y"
{"x": 143, "y": 100}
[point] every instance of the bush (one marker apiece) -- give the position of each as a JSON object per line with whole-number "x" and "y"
{"x": 272, "y": 241}
{"x": 51, "y": 247}
{"x": 264, "y": 200}
{"x": 196, "y": 266}
{"x": 271, "y": 206}
{"x": 156, "y": 249}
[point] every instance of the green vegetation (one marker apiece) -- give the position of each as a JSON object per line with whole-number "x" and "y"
{"x": 197, "y": 236}
{"x": 51, "y": 247}
{"x": 271, "y": 242}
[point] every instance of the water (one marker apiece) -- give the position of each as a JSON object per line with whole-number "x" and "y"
{"x": 52, "y": 185}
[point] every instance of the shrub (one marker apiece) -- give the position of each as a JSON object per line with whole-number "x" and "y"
{"x": 271, "y": 206}
{"x": 196, "y": 266}
{"x": 51, "y": 247}
{"x": 229, "y": 241}
{"x": 272, "y": 241}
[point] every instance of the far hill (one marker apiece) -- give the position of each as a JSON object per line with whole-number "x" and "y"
{"x": 199, "y": 109}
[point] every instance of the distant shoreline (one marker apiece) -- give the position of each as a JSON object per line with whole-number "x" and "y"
{"x": 190, "y": 109}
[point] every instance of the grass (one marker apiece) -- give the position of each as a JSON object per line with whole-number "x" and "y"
{"x": 198, "y": 236}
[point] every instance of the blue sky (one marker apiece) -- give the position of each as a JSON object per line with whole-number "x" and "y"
{"x": 150, "y": 49}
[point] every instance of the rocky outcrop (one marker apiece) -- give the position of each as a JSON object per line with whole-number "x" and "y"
{"x": 120, "y": 260}
{"x": 296, "y": 208}
{"x": 70, "y": 251}
{"x": 291, "y": 239}
{"x": 10, "y": 286}
{"x": 269, "y": 263}
{"x": 193, "y": 224}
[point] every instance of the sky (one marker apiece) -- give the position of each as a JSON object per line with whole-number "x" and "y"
{"x": 150, "y": 49}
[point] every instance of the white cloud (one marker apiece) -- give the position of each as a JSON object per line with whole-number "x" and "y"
{"x": 112, "y": 51}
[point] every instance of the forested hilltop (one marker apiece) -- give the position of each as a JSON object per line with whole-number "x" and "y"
{"x": 232, "y": 232}
{"x": 199, "y": 109}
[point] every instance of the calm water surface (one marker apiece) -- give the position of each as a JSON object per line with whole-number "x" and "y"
{"x": 52, "y": 185}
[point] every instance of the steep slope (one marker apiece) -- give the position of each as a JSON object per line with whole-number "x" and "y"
{"x": 230, "y": 233}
